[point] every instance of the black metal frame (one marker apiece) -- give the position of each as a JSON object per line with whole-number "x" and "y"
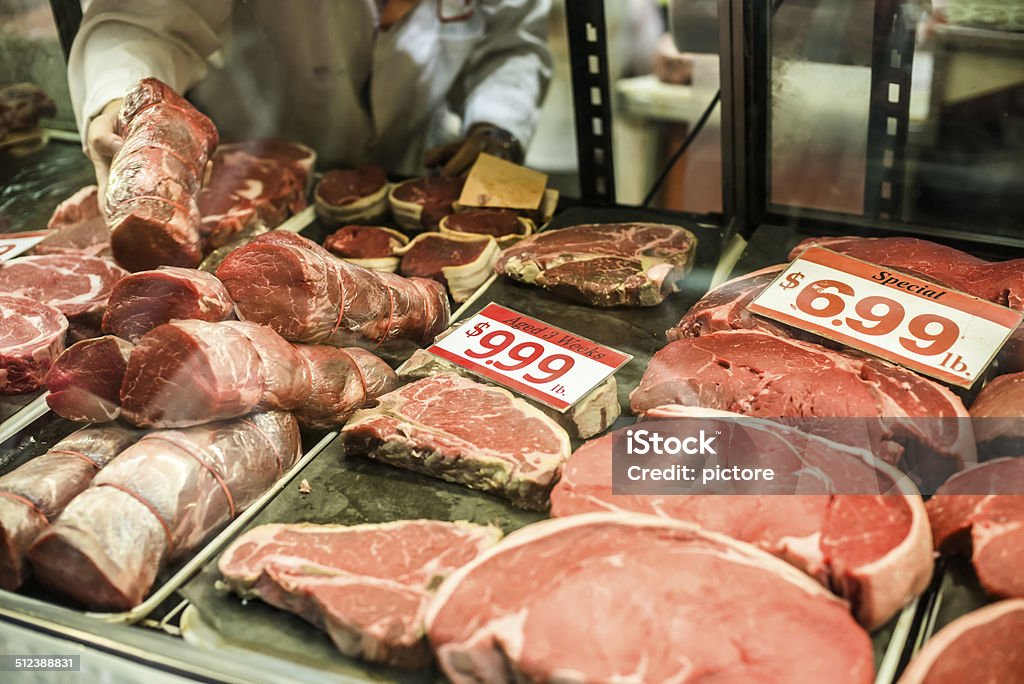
{"x": 67, "y": 14}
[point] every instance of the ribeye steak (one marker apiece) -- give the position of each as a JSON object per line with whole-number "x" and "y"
{"x": 31, "y": 337}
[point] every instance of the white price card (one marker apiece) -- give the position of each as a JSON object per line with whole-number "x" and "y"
{"x": 940, "y": 332}
{"x": 13, "y": 244}
{"x": 540, "y": 361}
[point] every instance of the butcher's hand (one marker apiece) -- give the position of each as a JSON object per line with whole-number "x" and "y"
{"x": 456, "y": 158}
{"x": 101, "y": 144}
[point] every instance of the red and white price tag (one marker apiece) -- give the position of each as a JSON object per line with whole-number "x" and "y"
{"x": 540, "y": 361}
{"x": 13, "y": 244}
{"x": 943, "y": 333}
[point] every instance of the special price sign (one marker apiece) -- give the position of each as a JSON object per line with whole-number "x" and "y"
{"x": 13, "y": 244}
{"x": 540, "y": 361}
{"x": 943, "y": 333}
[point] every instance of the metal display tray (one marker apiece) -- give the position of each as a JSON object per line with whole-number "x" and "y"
{"x": 50, "y": 429}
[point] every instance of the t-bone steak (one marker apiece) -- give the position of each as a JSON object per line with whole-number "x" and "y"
{"x": 31, "y": 337}
{"x": 156, "y": 502}
{"x": 34, "y": 494}
{"x": 998, "y": 416}
{"x": 985, "y": 645}
{"x": 875, "y": 550}
{"x": 908, "y": 420}
{"x": 308, "y": 295}
{"x": 84, "y": 382}
{"x": 635, "y": 598}
{"x": 980, "y": 512}
{"x": 155, "y": 177}
{"x": 367, "y": 586}
{"x": 613, "y": 264}
{"x": 463, "y": 431}
{"x": 142, "y": 301}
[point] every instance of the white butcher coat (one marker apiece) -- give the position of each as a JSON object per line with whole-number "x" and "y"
{"x": 320, "y": 72}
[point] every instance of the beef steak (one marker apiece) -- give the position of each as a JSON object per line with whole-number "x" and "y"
{"x": 874, "y": 550}
{"x": 367, "y": 586}
{"x": 77, "y": 226}
{"x": 920, "y": 424}
{"x": 156, "y": 502}
{"x": 79, "y": 286}
{"x": 984, "y": 645}
{"x": 34, "y": 494}
{"x": 634, "y": 598}
{"x": 460, "y": 262}
{"x": 980, "y": 512}
{"x": 84, "y": 382}
{"x": 142, "y": 301}
{"x": 462, "y": 431}
{"x": 31, "y": 337}
{"x": 998, "y": 417}
{"x": 613, "y": 264}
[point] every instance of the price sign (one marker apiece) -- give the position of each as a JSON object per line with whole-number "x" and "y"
{"x": 540, "y": 361}
{"x": 943, "y": 333}
{"x": 13, "y": 244}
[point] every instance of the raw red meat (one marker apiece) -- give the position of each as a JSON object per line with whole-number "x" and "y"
{"x": 367, "y": 586}
{"x": 84, "y": 382}
{"x": 22, "y": 105}
{"x": 613, "y": 264}
{"x": 362, "y": 242}
{"x": 155, "y": 503}
{"x": 77, "y": 227}
{"x": 191, "y": 372}
{"x": 435, "y": 194}
{"x": 920, "y": 424}
{"x": 874, "y": 550}
{"x": 341, "y": 187}
{"x": 984, "y": 645}
{"x": 462, "y": 431}
{"x": 31, "y": 337}
{"x": 296, "y": 157}
{"x": 144, "y": 300}
{"x": 980, "y": 512}
{"x": 342, "y": 380}
{"x": 725, "y": 308}
{"x": 79, "y": 286}
{"x": 998, "y": 417}
{"x": 1001, "y": 282}
{"x": 493, "y": 222}
{"x": 35, "y": 493}
{"x": 431, "y": 253}
{"x": 306, "y": 294}
{"x": 155, "y": 177}
{"x": 629, "y": 598}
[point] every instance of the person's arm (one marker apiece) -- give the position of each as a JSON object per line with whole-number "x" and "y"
{"x": 502, "y": 85}
{"x": 120, "y": 43}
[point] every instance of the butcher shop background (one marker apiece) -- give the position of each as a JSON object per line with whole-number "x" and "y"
{"x": 29, "y": 51}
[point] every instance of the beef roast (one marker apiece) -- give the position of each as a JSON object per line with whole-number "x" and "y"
{"x": 630, "y": 598}
{"x": 34, "y": 494}
{"x": 341, "y": 381}
{"x": 613, "y": 264}
{"x": 981, "y": 512}
{"x": 998, "y": 417}
{"x": 874, "y": 550}
{"x": 31, "y": 337}
{"x": 367, "y": 586}
{"x": 462, "y": 431}
{"x": 77, "y": 226}
{"x": 84, "y": 382}
{"x": 144, "y": 300}
{"x": 985, "y": 645}
{"x": 158, "y": 501}
{"x": 191, "y": 372}
{"x": 460, "y": 262}
{"x": 920, "y": 425}
{"x": 155, "y": 177}
{"x": 306, "y": 294}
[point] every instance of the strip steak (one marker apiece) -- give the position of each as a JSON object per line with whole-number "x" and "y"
{"x": 367, "y": 586}
{"x": 634, "y": 598}
{"x": 463, "y": 431}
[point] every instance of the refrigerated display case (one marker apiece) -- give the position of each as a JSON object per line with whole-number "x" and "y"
{"x": 835, "y": 120}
